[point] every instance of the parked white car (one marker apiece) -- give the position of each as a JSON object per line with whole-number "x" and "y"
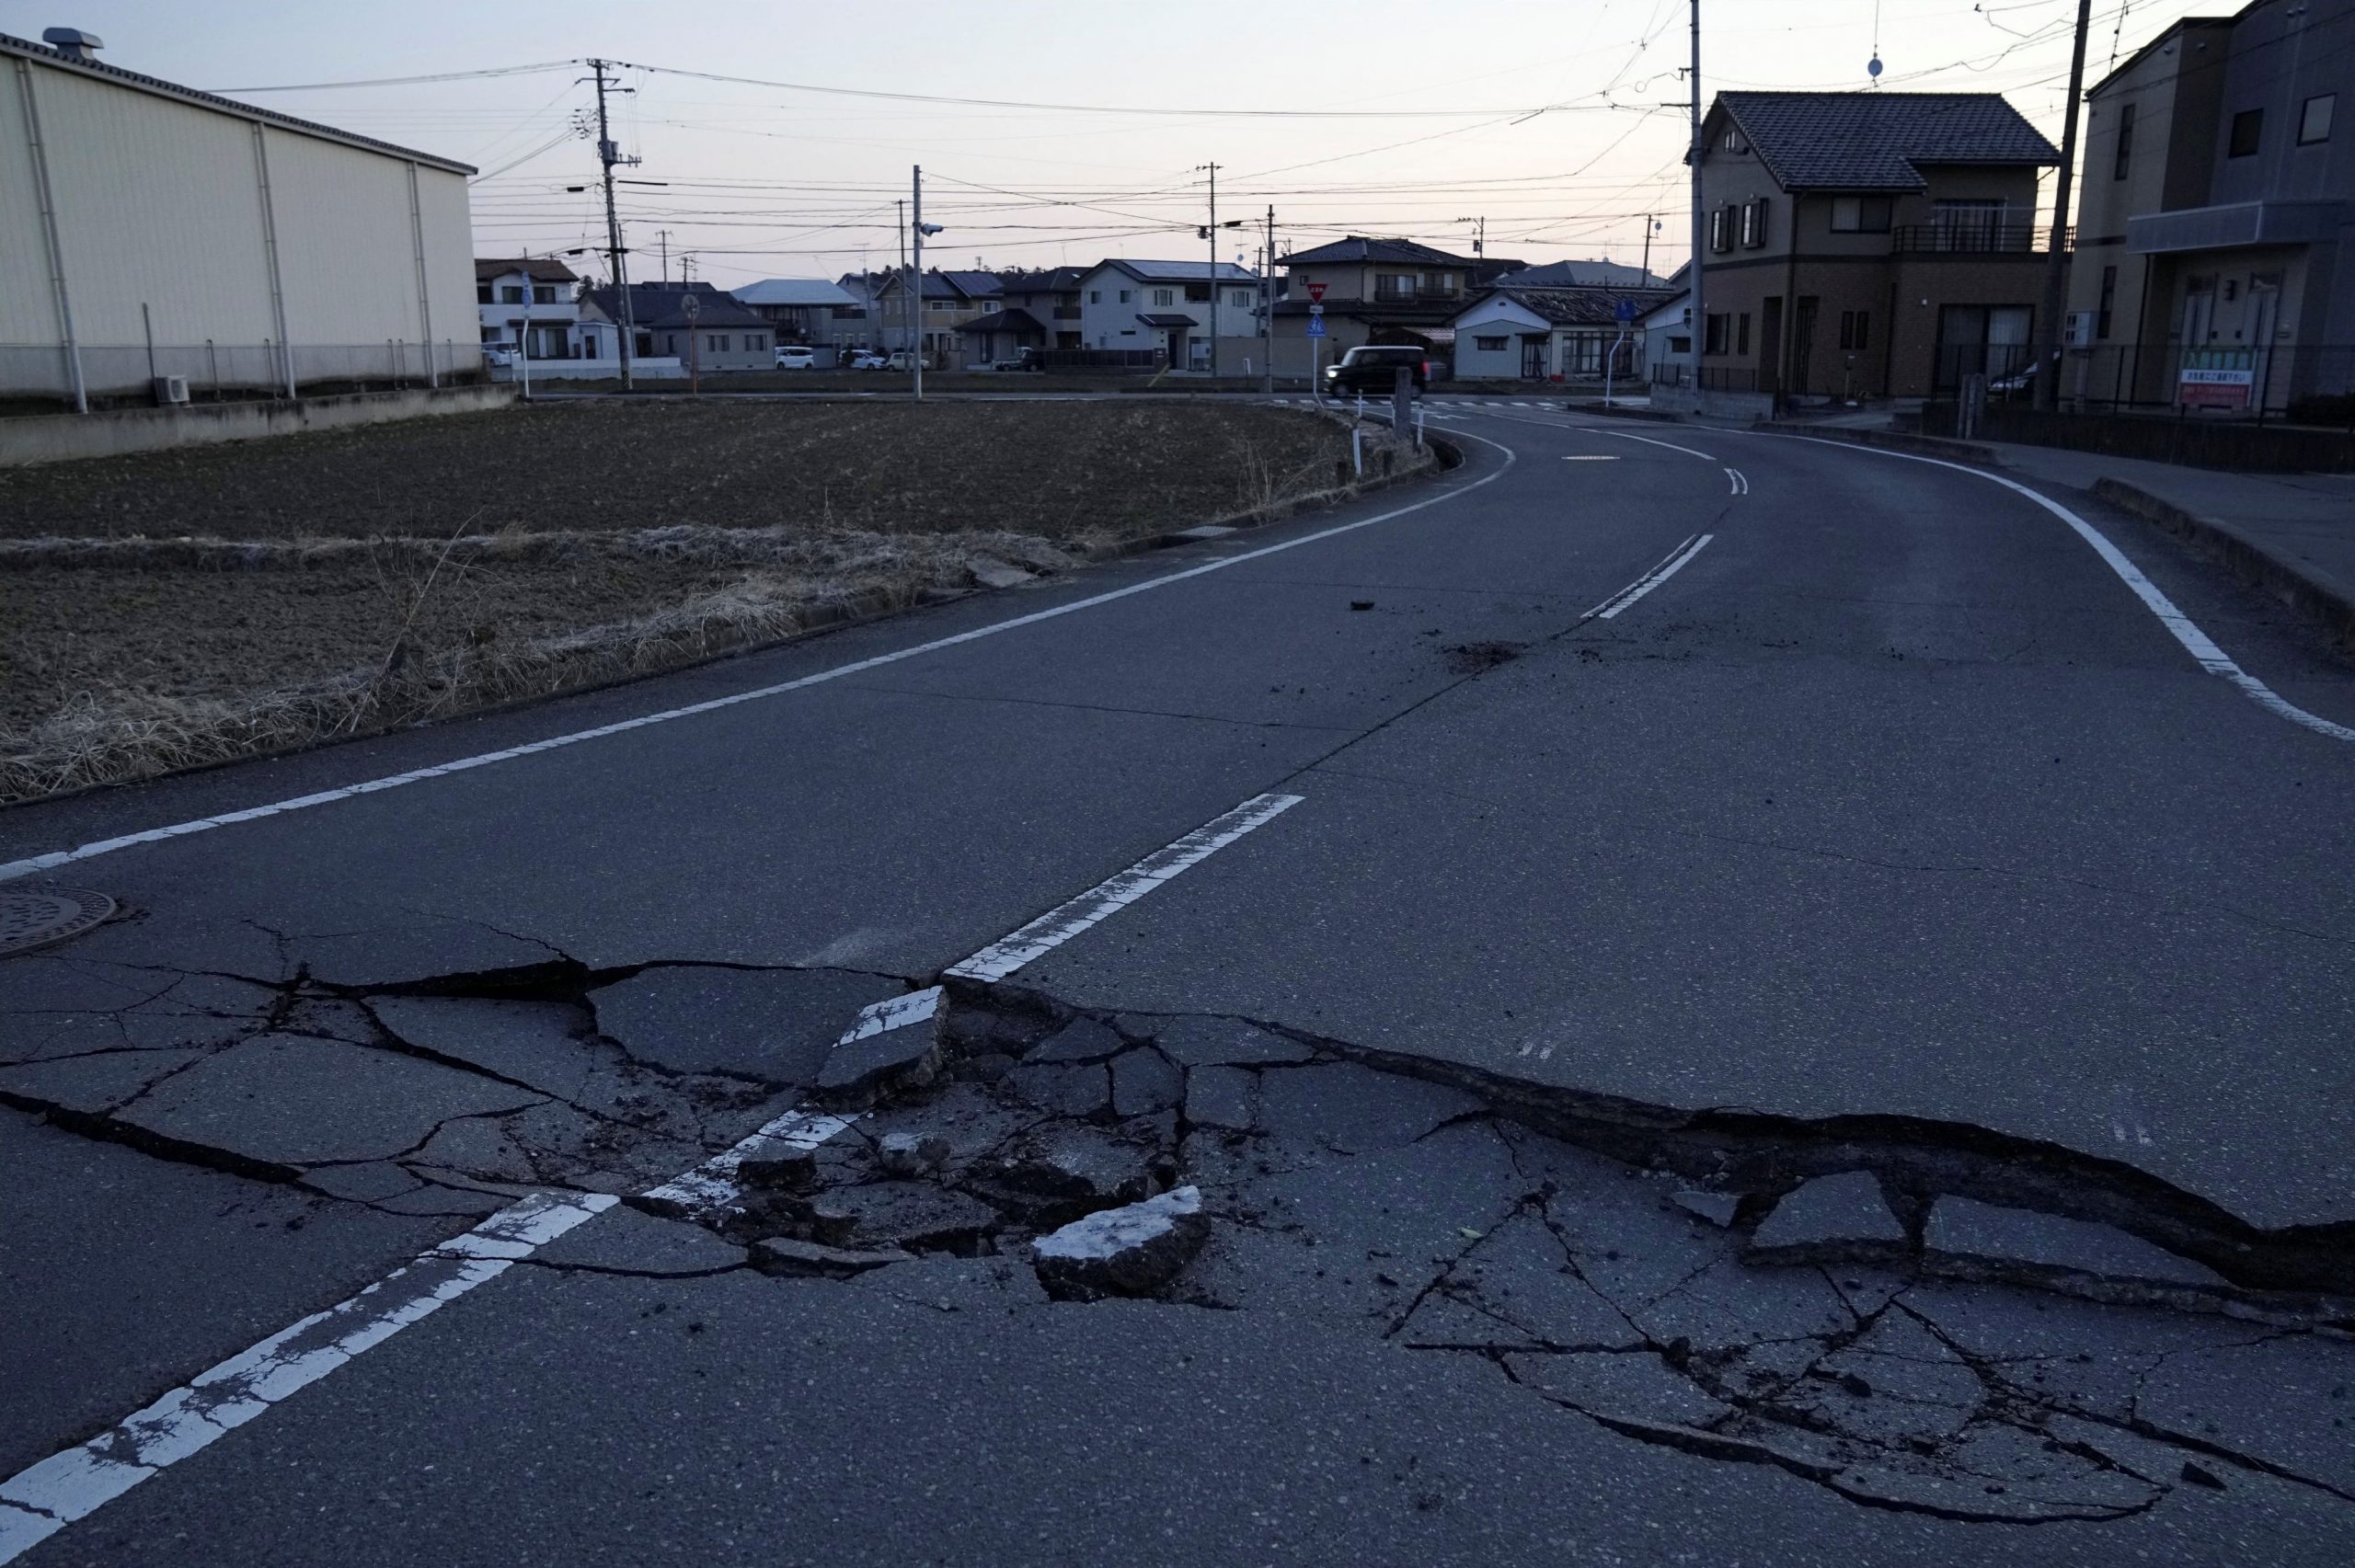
{"x": 902, "y": 359}
{"x": 867, "y": 360}
{"x": 797, "y": 357}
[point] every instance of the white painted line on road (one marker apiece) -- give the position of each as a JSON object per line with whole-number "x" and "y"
{"x": 713, "y": 1184}
{"x": 1610, "y": 608}
{"x": 41, "y": 1500}
{"x": 1592, "y": 457}
{"x": 2197, "y": 643}
{"x": 1647, "y": 440}
{"x": 33, "y": 863}
{"x": 1738, "y": 480}
{"x": 1065, "y": 921}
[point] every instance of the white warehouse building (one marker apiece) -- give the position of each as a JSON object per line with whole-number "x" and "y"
{"x": 150, "y": 232}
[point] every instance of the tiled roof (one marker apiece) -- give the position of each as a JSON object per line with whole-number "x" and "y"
{"x": 1179, "y": 272}
{"x": 664, "y": 306}
{"x": 1880, "y": 141}
{"x": 1015, "y": 320}
{"x": 793, "y": 292}
{"x": 1577, "y": 275}
{"x": 1575, "y": 307}
{"x": 543, "y": 270}
{"x": 1357, "y": 247}
{"x": 1043, "y": 281}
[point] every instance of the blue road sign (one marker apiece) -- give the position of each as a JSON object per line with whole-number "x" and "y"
{"x": 1317, "y": 326}
{"x": 1626, "y": 310}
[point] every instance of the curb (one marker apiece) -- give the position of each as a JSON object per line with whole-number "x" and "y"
{"x": 1658, "y": 415}
{"x": 1926, "y": 446}
{"x": 2255, "y": 563}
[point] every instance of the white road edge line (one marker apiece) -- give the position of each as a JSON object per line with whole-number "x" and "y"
{"x": 1067, "y": 920}
{"x": 1651, "y": 579}
{"x": 39, "y": 862}
{"x": 1741, "y": 483}
{"x": 44, "y": 1498}
{"x": 1597, "y": 430}
{"x": 2197, "y": 643}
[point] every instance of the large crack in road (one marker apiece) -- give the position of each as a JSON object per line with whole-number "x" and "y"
{"x": 1910, "y": 1315}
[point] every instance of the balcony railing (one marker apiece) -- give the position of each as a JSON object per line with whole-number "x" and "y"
{"x": 1976, "y": 239}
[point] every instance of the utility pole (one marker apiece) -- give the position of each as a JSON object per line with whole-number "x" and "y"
{"x": 2056, "y": 263}
{"x": 1700, "y": 220}
{"x": 1479, "y": 235}
{"x": 608, "y": 155}
{"x": 1212, "y": 233}
{"x": 900, "y": 208}
{"x": 1652, "y": 222}
{"x": 915, "y": 229}
{"x": 1268, "y": 307}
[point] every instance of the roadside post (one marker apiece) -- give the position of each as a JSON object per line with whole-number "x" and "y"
{"x": 1316, "y": 340}
{"x": 694, "y": 360}
{"x": 1626, "y": 311}
{"x": 1402, "y": 398}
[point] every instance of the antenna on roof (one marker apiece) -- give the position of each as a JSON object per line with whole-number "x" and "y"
{"x": 1872, "y": 66}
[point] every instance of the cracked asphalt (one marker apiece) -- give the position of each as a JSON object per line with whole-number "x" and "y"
{"x": 1841, "y": 1060}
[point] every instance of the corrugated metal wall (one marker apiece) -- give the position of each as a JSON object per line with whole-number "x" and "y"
{"x": 162, "y": 204}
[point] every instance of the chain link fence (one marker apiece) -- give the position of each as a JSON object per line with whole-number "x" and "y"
{"x": 41, "y": 378}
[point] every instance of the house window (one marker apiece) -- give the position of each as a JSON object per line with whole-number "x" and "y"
{"x": 1721, "y": 229}
{"x": 715, "y": 341}
{"x": 2125, "y": 138}
{"x": 1439, "y": 284}
{"x": 1165, "y": 296}
{"x": 1754, "y": 224}
{"x": 755, "y": 341}
{"x": 1741, "y": 333}
{"x": 2313, "y": 120}
{"x": 1714, "y": 342}
{"x": 511, "y": 294}
{"x": 543, "y": 294}
{"x": 1096, "y": 296}
{"x": 1973, "y": 225}
{"x": 1124, "y": 296}
{"x": 1734, "y": 141}
{"x": 1198, "y": 294}
{"x": 1855, "y": 329}
{"x": 1240, "y": 297}
{"x": 482, "y": 293}
{"x": 1861, "y": 214}
{"x": 2108, "y": 301}
{"x": 2249, "y": 130}
{"x": 1490, "y": 345}
{"x": 1680, "y": 344}
{"x": 1394, "y": 285}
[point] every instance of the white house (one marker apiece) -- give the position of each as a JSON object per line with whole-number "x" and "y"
{"x": 1166, "y": 308}
{"x": 149, "y": 230}
{"x": 538, "y": 298}
{"x": 1510, "y": 334}
{"x": 1668, "y": 340}
{"x": 814, "y": 311}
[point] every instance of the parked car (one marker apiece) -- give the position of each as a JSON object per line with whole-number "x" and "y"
{"x": 2019, "y": 381}
{"x": 901, "y": 360}
{"x": 1027, "y": 359}
{"x": 1374, "y": 367}
{"x": 866, "y": 359}
{"x": 797, "y": 357}
{"x": 498, "y": 357}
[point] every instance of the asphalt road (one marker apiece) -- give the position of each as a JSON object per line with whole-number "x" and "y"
{"x": 1890, "y": 800}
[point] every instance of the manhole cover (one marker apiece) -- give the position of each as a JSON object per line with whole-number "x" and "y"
{"x": 38, "y": 916}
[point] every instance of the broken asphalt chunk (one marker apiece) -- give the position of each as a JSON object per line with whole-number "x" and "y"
{"x": 902, "y": 1214}
{"x": 1132, "y": 1251}
{"x": 779, "y": 1025}
{"x": 1961, "y": 1228}
{"x": 1828, "y": 1217}
{"x": 1144, "y": 1083}
{"x": 1223, "y": 1097}
{"x": 1082, "y": 1040}
{"x": 1061, "y": 1174}
{"x": 1080, "y": 1091}
{"x": 862, "y": 1068}
{"x": 1717, "y": 1208}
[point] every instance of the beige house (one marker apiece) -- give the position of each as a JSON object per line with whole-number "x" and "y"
{"x": 1865, "y": 244}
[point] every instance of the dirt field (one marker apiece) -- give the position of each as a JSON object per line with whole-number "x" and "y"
{"x": 1053, "y": 469}
{"x": 184, "y": 607}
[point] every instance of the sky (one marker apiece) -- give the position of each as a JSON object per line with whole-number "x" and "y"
{"x": 775, "y": 147}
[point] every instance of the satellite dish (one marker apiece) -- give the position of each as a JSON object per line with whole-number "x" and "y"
{"x": 1873, "y": 70}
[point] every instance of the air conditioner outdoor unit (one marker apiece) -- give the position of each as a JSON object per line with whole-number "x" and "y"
{"x": 171, "y": 389}
{"x": 2080, "y": 331}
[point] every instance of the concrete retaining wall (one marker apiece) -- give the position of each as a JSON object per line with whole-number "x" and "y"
{"x": 56, "y": 438}
{"x": 1712, "y": 404}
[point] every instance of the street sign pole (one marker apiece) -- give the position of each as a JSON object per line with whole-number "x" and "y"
{"x": 1317, "y": 341}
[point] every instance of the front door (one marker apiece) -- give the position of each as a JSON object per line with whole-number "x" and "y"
{"x": 1533, "y": 359}
{"x": 1803, "y": 341}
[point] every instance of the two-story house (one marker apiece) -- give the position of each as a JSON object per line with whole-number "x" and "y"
{"x": 802, "y": 310}
{"x": 1865, "y": 245}
{"x": 950, "y": 300}
{"x": 2217, "y": 258}
{"x": 1376, "y": 291}
{"x": 534, "y": 301}
{"x": 1038, "y": 309}
{"x": 694, "y": 323}
{"x": 1171, "y": 308}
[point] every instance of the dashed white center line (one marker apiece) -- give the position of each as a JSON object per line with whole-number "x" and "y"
{"x": 1740, "y": 481}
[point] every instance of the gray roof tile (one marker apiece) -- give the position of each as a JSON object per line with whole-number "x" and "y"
{"x": 1880, "y": 141}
